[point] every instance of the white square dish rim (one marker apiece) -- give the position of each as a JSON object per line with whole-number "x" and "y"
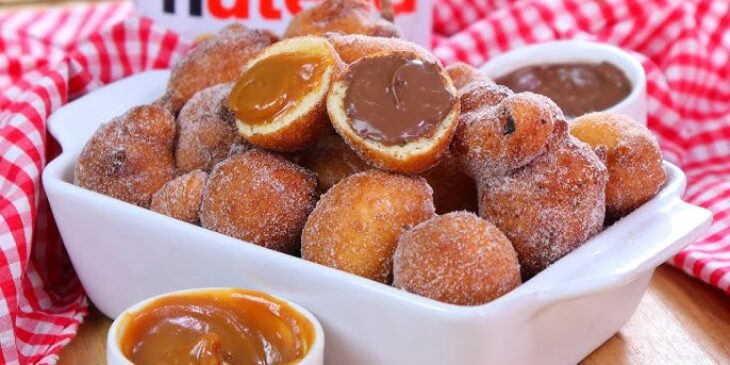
{"x": 72, "y": 143}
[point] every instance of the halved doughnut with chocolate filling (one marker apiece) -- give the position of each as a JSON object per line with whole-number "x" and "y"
{"x": 397, "y": 110}
{"x": 279, "y": 100}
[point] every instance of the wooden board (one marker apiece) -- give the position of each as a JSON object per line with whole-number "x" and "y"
{"x": 679, "y": 321}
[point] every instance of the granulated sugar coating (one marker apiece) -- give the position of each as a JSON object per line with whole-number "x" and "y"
{"x": 206, "y": 130}
{"x": 634, "y": 160}
{"x": 453, "y": 190}
{"x": 332, "y": 160}
{"x": 259, "y": 197}
{"x": 551, "y": 206}
{"x": 481, "y": 95}
{"x": 352, "y": 47}
{"x": 462, "y": 74}
{"x": 216, "y": 60}
{"x": 456, "y": 258}
{"x": 180, "y": 198}
{"x": 493, "y": 140}
{"x": 356, "y": 224}
{"x": 341, "y": 16}
{"x": 130, "y": 157}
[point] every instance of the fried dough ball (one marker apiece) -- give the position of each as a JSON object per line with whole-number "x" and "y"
{"x": 634, "y": 160}
{"x": 216, "y": 60}
{"x": 180, "y": 198}
{"x": 341, "y": 16}
{"x": 279, "y": 101}
{"x": 332, "y": 160}
{"x": 480, "y": 96}
{"x": 492, "y": 141}
{"x": 356, "y": 224}
{"x": 551, "y": 206}
{"x": 352, "y": 47}
{"x": 452, "y": 189}
{"x": 389, "y": 137}
{"x": 462, "y": 74}
{"x": 456, "y": 258}
{"x": 259, "y": 197}
{"x": 206, "y": 130}
{"x": 165, "y": 102}
{"x": 130, "y": 157}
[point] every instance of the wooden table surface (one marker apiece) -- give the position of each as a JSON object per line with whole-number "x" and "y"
{"x": 679, "y": 321}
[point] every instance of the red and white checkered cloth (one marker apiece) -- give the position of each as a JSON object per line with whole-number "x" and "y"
{"x": 48, "y": 57}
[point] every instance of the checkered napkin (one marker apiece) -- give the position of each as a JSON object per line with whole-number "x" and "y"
{"x": 48, "y": 57}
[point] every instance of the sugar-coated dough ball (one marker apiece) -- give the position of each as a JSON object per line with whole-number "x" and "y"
{"x": 259, "y": 197}
{"x": 332, "y": 160}
{"x": 479, "y": 96}
{"x": 206, "y": 130}
{"x": 634, "y": 160}
{"x": 453, "y": 190}
{"x": 215, "y": 60}
{"x": 551, "y": 206}
{"x": 462, "y": 74}
{"x": 352, "y": 47}
{"x": 130, "y": 157}
{"x": 456, "y": 258}
{"x": 492, "y": 141}
{"x": 356, "y": 224}
{"x": 341, "y": 16}
{"x": 180, "y": 198}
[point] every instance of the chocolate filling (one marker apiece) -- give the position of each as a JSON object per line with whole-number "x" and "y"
{"x": 396, "y": 99}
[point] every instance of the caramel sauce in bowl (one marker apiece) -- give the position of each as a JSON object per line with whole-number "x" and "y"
{"x": 215, "y": 326}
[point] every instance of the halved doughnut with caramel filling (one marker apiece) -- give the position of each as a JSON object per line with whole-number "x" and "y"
{"x": 397, "y": 110}
{"x": 279, "y": 100}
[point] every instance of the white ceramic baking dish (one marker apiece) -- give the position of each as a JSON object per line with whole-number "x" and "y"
{"x": 124, "y": 253}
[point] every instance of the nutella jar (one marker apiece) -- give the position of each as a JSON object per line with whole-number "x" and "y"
{"x": 191, "y": 18}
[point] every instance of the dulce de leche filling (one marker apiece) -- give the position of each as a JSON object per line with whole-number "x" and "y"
{"x": 396, "y": 99}
{"x": 273, "y": 85}
{"x": 216, "y": 328}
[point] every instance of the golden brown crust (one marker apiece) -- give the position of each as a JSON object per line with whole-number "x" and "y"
{"x": 356, "y": 224}
{"x": 259, "y": 197}
{"x": 352, "y": 47}
{"x": 551, "y": 206}
{"x": 332, "y": 160}
{"x": 130, "y": 157}
{"x": 634, "y": 159}
{"x": 456, "y": 258}
{"x": 180, "y": 198}
{"x": 453, "y": 190}
{"x": 462, "y": 74}
{"x": 299, "y": 134}
{"x": 302, "y": 131}
{"x": 215, "y": 60}
{"x": 166, "y": 102}
{"x": 385, "y": 161}
{"x": 480, "y": 95}
{"x": 404, "y": 158}
{"x": 206, "y": 130}
{"x": 341, "y": 16}
{"x": 493, "y": 140}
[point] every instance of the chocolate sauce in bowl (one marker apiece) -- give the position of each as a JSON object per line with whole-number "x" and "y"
{"x": 578, "y": 88}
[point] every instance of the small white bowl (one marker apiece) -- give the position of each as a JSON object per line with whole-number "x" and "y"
{"x": 115, "y": 356}
{"x": 634, "y": 105}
